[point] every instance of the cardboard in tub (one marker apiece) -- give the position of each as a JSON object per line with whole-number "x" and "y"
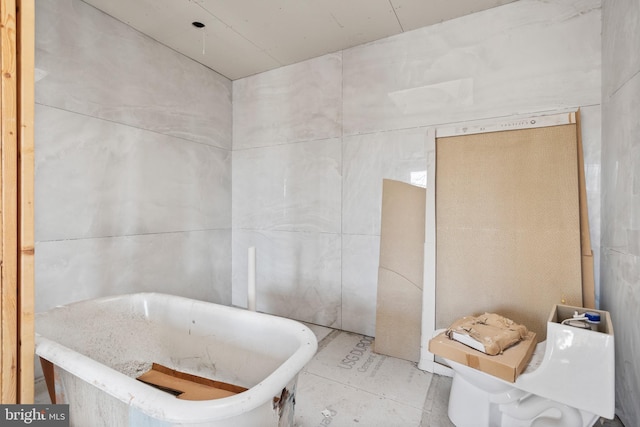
{"x": 506, "y": 365}
{"x": 186, "y": 386}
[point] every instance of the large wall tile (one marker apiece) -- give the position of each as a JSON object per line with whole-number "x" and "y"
{"x": 297, "y": 274}
{"x": 360, "y": 259}
{"x": 367, "y": 160}
{"x": 620, "y": 165}
{"x": 97, "y": 178}
{"x": 527, "y": 56}
{"x": 300, "y": 102}
{"x": 293, "y": 187}
{"x": 621, "y": 297}
{"x": 620, "y": 41}
{"x": 193, "y": 264}
{"x": 620, "y": 171}
{"x": 90, "y": 63}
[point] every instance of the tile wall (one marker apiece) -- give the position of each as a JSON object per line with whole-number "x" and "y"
{"x": 620, "y": 253}
{"x": 313, "y": 141}
{"x": 133, "y": 163}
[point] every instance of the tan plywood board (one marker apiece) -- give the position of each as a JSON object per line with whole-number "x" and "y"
{"x": 507, "y": 225}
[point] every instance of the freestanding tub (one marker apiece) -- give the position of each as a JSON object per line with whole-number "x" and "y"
{"x": 93, "y": 350}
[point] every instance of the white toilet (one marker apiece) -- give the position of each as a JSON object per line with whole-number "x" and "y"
{"x": 569, "y": 382}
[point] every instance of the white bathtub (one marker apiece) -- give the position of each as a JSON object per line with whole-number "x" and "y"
{"x": 98, "y": 347}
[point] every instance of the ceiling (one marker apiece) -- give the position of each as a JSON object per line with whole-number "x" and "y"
{"x": 245, "y": 37}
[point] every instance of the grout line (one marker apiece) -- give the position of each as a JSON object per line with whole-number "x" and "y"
{"x": 120, "y": 236}
{"x": 327, "y": 340}
{"x": 342, "y": 174}
{"x": 287, "y": 143}
{"x": 396, "y": 15}
{"x": 274, "y": 230}
{"x": 131, "y": 126}
{"x": 623, "y": 84}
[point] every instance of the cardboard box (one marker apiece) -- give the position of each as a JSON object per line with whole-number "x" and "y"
{"x": 186, "y": 386}
{"x": 506, "y": 366}
{"x": 400, "y": 272}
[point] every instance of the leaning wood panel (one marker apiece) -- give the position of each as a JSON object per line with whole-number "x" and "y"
{"x": 26, "y": 68}
{"x": 508, "y": 225}
{"x": 8, "y": 177}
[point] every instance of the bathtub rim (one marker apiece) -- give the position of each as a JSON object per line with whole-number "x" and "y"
{"x": 163, "y": 406}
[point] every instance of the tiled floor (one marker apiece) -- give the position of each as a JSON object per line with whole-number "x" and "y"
{"x": 347, "y": 384}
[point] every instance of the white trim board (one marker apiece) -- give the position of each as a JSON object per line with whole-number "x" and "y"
{"x": 510, "y": 123}
{"x": 427, "y": 360}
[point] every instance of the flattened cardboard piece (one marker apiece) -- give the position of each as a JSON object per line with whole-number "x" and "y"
{"x": 402, "y": 229}
{"x": 588, "y": 280}
{"x": 186, "y": 386}
{"x": 400, "y": 273}
{"x": 508, "y": 225}
{"x": 507, "y": 365}
{"x": 398, "y": 335}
